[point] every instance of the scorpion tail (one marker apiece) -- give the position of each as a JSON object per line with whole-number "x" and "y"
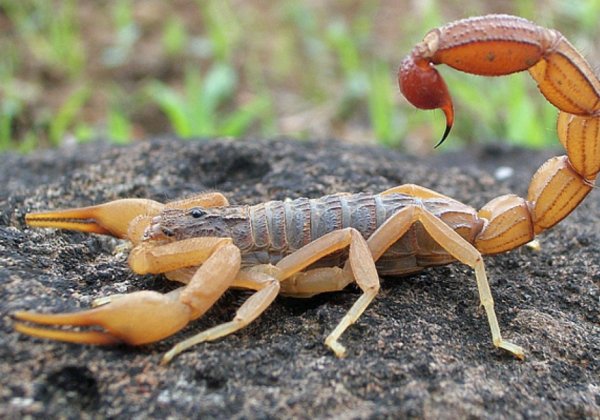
{"x": 424, "y": 87}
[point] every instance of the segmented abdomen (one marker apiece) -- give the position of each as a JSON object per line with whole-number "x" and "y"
{"x": 278, "y": 228}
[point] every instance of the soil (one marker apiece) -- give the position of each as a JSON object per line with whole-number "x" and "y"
{"x": 422, "y": 349}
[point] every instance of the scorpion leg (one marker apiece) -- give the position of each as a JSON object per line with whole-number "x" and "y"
{"x": 258, "y": 278}
{"x": 318, "y": 280}
{"x": 147, "y": 316}
{"x": 415, "y": 191}
{"x": 360, "y": 263}
{"x": 262, "y": 278}
{"x": 179, "y": 260}
{"x": 455, "y": 245}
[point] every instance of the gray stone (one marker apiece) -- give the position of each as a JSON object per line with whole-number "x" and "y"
{"x": 422, "y": 349}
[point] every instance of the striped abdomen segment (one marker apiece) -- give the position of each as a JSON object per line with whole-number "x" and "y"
{"x": 281, "y": 227}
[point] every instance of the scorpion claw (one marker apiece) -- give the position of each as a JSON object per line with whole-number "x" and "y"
{"x": 137, "y": 318}
{"x": 112, "y": 218}
{"x": 80, "y": 337}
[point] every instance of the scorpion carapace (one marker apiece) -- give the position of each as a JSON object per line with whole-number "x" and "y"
{"x": 309, "y": 246}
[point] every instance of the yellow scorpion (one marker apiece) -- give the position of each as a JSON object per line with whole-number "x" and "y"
{"x": 309, "y": 246}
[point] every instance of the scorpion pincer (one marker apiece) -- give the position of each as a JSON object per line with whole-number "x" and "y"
{"x": 309, "y": 246}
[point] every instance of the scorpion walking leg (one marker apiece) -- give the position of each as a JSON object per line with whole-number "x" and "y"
{"x": 179, "y": 260}
{"x": 301, "y": 285}
{"x": 318, "y": 280}
{"x": 455, "y": 245}
{"x": 259, "y": 278}
{"x": 360, "y": 262}
{"x": 415, "y": 191}
{"x": 263, "y": 279}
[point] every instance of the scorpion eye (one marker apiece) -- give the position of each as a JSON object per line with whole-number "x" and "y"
{"x": 197, "y": 213}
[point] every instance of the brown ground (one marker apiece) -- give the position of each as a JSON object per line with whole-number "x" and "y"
{"x": 421, "y": 350}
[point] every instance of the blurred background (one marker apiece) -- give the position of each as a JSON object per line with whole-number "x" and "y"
{"x": 124, "y": 70}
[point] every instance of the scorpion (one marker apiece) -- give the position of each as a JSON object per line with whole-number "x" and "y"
{"x": 304, "y": 247}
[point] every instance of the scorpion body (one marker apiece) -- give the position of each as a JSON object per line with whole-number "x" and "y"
{"x": 308, "y": 246}
{"x": 267, "y": 232}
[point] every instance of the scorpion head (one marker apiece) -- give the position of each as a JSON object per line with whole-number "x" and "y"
{"x": 178, "y": 224}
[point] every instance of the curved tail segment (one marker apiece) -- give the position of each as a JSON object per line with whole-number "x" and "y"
{"x": 497, "y": 45}
{"x": 423, "y": 86}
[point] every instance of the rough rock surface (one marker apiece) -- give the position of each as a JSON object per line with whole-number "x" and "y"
{"x": 421, "y": 350}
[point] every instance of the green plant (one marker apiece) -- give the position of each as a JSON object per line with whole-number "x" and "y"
{"x": 126, "y": 34}
{"x": 10, "y": 109}
{"x": 118, "y": 126}
{"x": 174, "y": 36}
{"x": 200, "y": 110}
{"x": 67, "y": 114}
{"x": 88, "y": 70}
{"x": 222, "y": 28}
{"x": 387, "y": 123}
{"x": 51, "y": 32}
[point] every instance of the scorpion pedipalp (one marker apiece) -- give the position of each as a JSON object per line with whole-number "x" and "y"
{"x": 112, "y": 218}
{"x": 137, "y": 318}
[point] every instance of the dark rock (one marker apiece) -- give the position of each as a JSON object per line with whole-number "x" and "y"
{"x": 421, "y": 350}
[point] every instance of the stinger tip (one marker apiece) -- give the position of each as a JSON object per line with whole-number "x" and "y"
{"x": 448, "y": 109}
{"x": 446, "y": 132}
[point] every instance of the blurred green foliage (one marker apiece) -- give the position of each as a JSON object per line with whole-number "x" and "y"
{"x": 124, "y": 70}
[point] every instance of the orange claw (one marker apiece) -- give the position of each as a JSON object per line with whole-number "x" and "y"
{"x": 111, "y": 218}
{"x": 137, "y": 318}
